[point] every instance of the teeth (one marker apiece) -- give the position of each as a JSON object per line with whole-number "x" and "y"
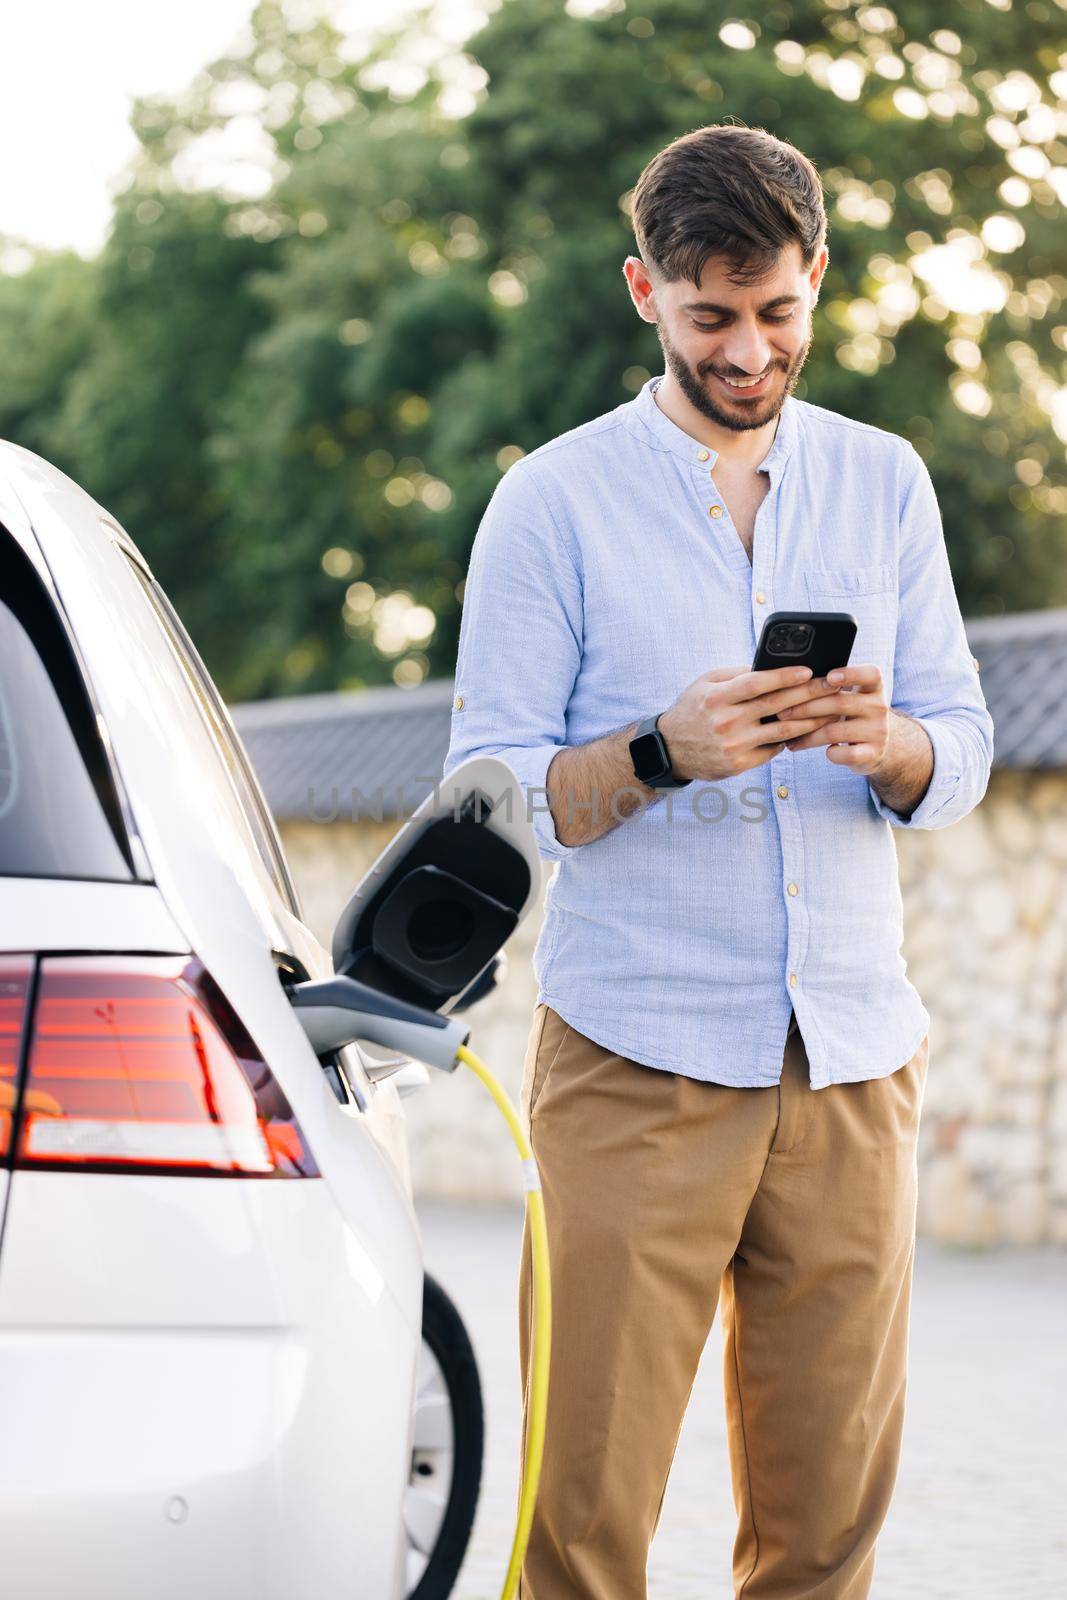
{"x": 747, "y": 385}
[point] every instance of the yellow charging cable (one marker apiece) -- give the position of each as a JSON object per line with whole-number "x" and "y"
{"x": 542, "y": 1344}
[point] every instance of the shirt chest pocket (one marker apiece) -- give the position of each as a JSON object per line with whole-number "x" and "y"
{"x": 870, "y": 594}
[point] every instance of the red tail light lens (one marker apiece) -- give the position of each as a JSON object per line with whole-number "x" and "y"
{"x": 139, "y": 1063}
{"x": 14, "y": 987}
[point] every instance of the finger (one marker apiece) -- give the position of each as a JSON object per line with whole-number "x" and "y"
{"x": 831, "y": 730}
{"x": 759, "y": 757}
{"x": 807, "y": 741}
{"x": 848, "y": 754}
{"x": 853, "y": 730}
{"x": 864, "y": 675}
{"x": 766, "y": 681}
{"x": 781, "y": 731}
{"x": 799, "y": 696}
{"x": 798, "y": 727}
{"x": 843, "y": 703}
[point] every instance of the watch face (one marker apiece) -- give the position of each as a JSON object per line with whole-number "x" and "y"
{"x": 647, "y": 756}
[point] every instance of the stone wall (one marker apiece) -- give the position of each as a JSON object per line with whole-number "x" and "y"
{"x": 985, "y": 917}
{"x": 985, "y": 908}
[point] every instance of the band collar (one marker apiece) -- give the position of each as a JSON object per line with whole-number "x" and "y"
{"x": 668, "y": 436}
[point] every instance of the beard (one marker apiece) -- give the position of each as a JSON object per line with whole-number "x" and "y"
{"x": 698, "y": 388}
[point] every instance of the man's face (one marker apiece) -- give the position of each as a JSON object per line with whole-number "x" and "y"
{"x": 720, "y": 331}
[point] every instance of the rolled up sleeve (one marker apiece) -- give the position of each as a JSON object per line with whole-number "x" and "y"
{"x": 520, "y": 645}
{"x": 935, "y": 676}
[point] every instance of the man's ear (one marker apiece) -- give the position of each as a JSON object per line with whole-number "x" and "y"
{"x": 822, "y": 275}
{"x": 648, "y": 303}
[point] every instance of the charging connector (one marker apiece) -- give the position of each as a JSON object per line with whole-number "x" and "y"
{"x": 339, "y": 1011}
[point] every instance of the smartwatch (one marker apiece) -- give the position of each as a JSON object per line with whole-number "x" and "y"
{"x": 651, "y": 759}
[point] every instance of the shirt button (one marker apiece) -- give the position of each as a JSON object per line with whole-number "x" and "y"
{"x": 782, "y": 791}
{"x": 792, "y": 980}
{"x": 761, "y": 597}
{"x": 703, "y": 455}
{"x": 793, "y": 889}
{"x": 459, "y": 702}
{"x": 715, "y": 511}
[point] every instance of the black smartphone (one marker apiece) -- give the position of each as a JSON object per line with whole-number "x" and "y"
{"x": 821, "y": 640}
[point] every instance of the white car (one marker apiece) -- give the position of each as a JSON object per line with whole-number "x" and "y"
{"x": 219, "y": 1372}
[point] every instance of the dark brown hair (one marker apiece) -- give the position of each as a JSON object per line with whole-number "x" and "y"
{"x": 736, "y": 192}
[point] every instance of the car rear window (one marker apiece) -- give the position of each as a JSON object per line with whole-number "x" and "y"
{"x": 59, "y": 815}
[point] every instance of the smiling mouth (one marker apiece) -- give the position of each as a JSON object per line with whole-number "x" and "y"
{"x": 748, "y": 387}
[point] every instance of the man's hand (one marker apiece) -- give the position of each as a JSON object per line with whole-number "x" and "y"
{"x": 713, "y": 729}
{"x": 859, "y": 737}
{"x": 892, "y": 750}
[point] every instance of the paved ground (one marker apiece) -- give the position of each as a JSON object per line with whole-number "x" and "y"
{"x": 979, "y": 1511}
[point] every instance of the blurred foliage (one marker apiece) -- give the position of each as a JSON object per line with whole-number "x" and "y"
{"x": 351, "y": 280}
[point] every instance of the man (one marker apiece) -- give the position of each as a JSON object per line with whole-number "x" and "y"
{"x": 727, "y": 1061}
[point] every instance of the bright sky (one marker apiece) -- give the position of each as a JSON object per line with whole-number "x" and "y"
{"x": 68, "y": 73}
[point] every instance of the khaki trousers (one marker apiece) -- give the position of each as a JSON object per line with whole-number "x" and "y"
{"x": 663, "y": 1194}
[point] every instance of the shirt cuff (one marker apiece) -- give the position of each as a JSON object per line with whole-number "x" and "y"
{"x": 944, "y": 780}
{"x": 530, "y": 766}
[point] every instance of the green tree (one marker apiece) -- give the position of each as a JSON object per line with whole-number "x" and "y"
{"x": 174, "y": 313}
{"x": 47, "y": 309}
{"x": 298, "y": 396}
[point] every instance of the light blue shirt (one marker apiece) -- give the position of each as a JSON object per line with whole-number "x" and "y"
{"x": 599, "y": 586}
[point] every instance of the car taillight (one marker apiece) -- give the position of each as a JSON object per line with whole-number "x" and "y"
{"x": 140, "y": 1063}
{"x": 15, "y": 972}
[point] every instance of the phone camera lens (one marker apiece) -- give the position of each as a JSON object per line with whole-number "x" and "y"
{"x": 789, "y": 639}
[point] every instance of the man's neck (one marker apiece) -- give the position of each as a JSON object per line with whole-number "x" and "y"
{"x": 743, "y": 449}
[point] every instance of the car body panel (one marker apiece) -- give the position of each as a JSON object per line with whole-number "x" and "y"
{"x": 39, "y": 914}
{"x": 239, "y": 1438}
{"x": 253, "y": 1340}
{"x": 212, "y": 882}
